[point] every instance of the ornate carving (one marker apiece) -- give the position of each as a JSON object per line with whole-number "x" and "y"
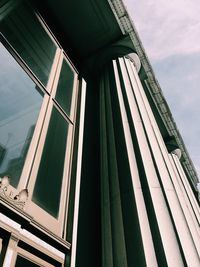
{"x": 19, "y": 199}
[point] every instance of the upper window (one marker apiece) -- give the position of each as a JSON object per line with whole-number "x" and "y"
{"x": 38, "y": 89}
{"x": 23, "y": 31}
{"x": 65, "y": 87}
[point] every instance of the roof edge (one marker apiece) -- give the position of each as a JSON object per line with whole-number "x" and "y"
{"x": 127, "y": 26}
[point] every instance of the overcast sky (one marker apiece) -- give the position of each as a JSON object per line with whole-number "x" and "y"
{"x": 170, "y": 33}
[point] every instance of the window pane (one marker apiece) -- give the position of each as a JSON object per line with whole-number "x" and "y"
{"x": 24, "y": 32}
{"x": 22, "y": 262}
{"x": 20, "y": 103}
{"x": 49, "y": 179}
{"x": 65, "y": 87}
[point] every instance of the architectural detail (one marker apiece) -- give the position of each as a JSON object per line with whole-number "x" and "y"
{"x": 154, "y": 86}
{"x": 88, "y": 136}
{"x": 18, "y": 200}
{"x": 177, "y": 152}
{"x": 135, "y": 59}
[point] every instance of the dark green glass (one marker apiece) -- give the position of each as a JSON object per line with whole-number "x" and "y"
{"x": 49, "y": 179}
{"x": 23, "y": 262}
{"x": 23, "y": 31}
{"x": 20, "y": 103}
{"x": 65, "y": 87}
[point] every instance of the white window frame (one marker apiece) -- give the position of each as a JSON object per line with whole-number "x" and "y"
{"x": 30, "y": 257}
{"x": 41, "y": 216}
{"x": 34, "y": 154}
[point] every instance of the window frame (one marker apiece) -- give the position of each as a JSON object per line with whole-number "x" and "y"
{"x": 38, "y": 213}
{"x": 30, "y": 257}
{"x": 34, "y": 154}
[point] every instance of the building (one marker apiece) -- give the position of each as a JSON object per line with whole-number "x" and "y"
{"x": 93, "y": 169}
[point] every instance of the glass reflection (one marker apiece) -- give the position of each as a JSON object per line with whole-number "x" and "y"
{"x": 20, "y": 103}
{"x": 23, "y": 31}
{"x": 65, "y": 87}
{"x": 48, "y": 185}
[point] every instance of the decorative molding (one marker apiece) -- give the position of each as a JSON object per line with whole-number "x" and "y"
{"x": 133, "y": 57}
{"x": 177, "y": 152}
{"x": 18, "y": 200}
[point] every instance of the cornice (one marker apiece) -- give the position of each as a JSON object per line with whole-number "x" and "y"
{"x": 128, "y": 28}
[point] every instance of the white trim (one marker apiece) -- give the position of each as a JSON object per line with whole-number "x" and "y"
{"x": 8, "y": 257}
{"x": 78, "y": 174}
{"x": 31, "y": 258}
{"x": 9, "y": 222}
{"x": 29, "y": 238}
{"x": 41, "y": 243}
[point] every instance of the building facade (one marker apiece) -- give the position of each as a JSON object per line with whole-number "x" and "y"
{"x": 93, "y": 169}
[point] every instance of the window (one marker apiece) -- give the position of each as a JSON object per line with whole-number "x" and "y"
{"x": 38, "y": 88}
{"x": 65, "y": 86}
{"x": 21, "y": 101}
{"x": 26, "y": 249}
{"x": 25, "y": 258}
{"x": 23, "y": 31}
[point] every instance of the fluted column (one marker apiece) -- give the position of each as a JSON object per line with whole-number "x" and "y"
{"x": 149, "y": 251}
{"x": 186, "y": 186}
{"x": 167, "y": 181}
{"x": 138, "y": 172}
{"x": 145, "y": 138}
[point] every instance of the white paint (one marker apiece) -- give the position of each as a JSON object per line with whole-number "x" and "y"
{"x": 8, "y": 258}
{"x": 78, "y": 174}
{"x": 6, "y": 220}
{"x": 42, "y": 243}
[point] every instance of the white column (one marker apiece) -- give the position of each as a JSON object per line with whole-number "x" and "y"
{"x": 191, "y": 203}
{"x": 162, "y": 161}
{"x": 191, "y": 219}
{"x": 167, "y": 157}
{"x": 149, "y": 250}
{"x": 165, "y": 225}
{"x": 188, "y": 189}
{"x": 78, "y": 174}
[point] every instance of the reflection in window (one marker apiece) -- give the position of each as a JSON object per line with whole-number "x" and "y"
{"x": 20, "y": 103}
{"x": 65, "y": 87}
{"x": 49, "y": 179}
{"x": 23, "y": 31}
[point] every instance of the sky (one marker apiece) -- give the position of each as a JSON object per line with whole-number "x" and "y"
{"x": 170, "y": 34}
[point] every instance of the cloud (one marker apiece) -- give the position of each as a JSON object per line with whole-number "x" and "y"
{"x": 170, "y": 33}
{"x": 180, "y": 81}
{"x": 167, "y": 27}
